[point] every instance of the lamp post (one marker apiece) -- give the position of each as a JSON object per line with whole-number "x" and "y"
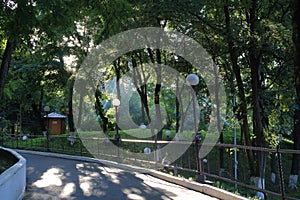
{"x": 168, "y": 134}
{"x": 193, "y": 80}
{"x": 47, "y": 110}
{"x": 116, "y": 104}
{"x": 143, "y": 127}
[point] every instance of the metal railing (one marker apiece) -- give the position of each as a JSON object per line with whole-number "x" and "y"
{"x": 184, "y": 166}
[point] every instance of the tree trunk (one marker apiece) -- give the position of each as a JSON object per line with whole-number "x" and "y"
{"x": 100, "y": 111}
{"x": 144, "y": 90}
{"x": 70, "y": 106}
{"x": 293, "y": 180}
{"x": 257, "y": 123}
{"x": 177, "y": 107}
{"x": 137, "y": 78}
{"x": 241, "y": 93}
{"x": 80, "y": 111}
{"x": 219, "y": 128}
{"x": 157, "y": 91}
{"x": 118, "y": 75}
{"x": 296, "y": 132}
{"x": 9, "y": 49}
{"x": 254, "y": 64}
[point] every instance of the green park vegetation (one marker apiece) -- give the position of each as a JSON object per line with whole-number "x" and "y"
{"x": 255, "y": 48}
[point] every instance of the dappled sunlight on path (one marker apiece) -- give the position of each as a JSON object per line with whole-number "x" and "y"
{"x": 51, "y": 177}
{"x": 57, "y": 178}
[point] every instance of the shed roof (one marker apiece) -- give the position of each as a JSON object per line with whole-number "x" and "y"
{"x": 55, "y": 115}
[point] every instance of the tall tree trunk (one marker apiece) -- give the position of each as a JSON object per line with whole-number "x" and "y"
{"x": 70, "y": 106}
{"x": 79, "y": 120}
{"x": 254, "y": 64}
{"x": 221, "y": 153}
{"x": 144, "y": 91}
{"x": 177, "y": 107}
{"x": 241, "y": 93}
{"x": 296, "y": 132}
{"x": 6, "y": 59}
{"x": 100, "y": 111}
{"x": 257, "y": 124}
{"x": 118, "y": 77}
{"x": 157, "y": 91}
{"x": 137, "y": 78}
{"x": 217, "y": 99}
{"x": 293, "y": 180}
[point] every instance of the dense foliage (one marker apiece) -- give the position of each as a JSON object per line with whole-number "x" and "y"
{"x": 254, "y": 44}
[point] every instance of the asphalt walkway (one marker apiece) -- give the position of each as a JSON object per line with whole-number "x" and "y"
{"x": 51, "y": 178}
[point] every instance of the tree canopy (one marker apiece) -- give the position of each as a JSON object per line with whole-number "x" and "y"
{"x": 253, "y": 43}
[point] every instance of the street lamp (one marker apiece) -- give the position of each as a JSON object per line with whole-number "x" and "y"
{"x": 143, "y": 127}
{"x": 168, "y": 134}
{"x": 193, "y": 80}
{"x": 116, "y": 104}
{"x": 47, "y": 110}
{"x": 147, "y": 150}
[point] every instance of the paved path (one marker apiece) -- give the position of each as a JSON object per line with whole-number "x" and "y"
{"x": 56, "y": 178}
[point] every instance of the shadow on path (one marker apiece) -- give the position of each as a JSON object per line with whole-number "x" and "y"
{"x": 57, "y": 178}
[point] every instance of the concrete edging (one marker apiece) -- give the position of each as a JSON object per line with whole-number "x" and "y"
{"x": 13, "y": 180}
{"x": 203, "y": 188}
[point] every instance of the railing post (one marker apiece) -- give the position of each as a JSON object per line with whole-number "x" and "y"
{"x": 200, "y": 175}
{"x": 280, "y": 168}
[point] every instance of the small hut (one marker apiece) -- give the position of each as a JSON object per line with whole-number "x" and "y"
{"x": 56, "y": 123}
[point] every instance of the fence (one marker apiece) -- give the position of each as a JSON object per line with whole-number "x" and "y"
{"x": 186, "y": 165}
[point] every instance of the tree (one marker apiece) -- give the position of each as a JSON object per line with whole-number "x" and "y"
{"x": 10, "y": 45}
{"x": 241, "y": 88}
{"x": 295, "y": 6}
{"x": 17, "y": 21}
{"x": 256, "y": 80}
{"x": 101, "y": 112}
{"x": 248, "y": 41}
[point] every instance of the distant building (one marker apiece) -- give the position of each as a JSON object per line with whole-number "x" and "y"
{"x": 56, "y": 123}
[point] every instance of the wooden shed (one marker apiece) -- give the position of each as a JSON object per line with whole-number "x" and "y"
{"x": 56, "y": 123}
